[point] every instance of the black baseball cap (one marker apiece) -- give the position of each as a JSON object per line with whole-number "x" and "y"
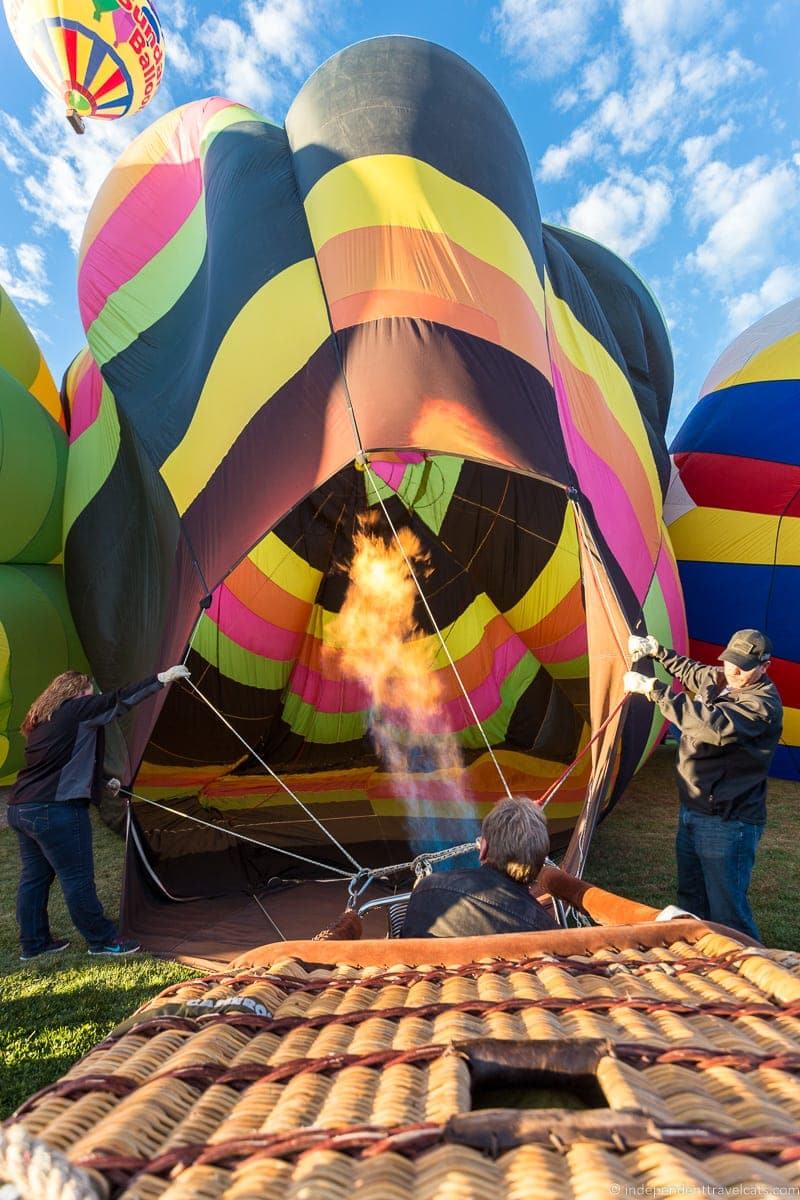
{"x": 747, "y": 648}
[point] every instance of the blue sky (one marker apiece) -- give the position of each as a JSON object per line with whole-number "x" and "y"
{"x": 667, "y": 129}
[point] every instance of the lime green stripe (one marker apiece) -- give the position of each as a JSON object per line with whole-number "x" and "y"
{"x": 153, "y": 291}
{"x": 495, "y": 727}
{"x": 91, "y": 458}
{"x": 323, "y": 728}
{"x": 426, "y": 488}
{"x": 574, "y": 668}
{"x": 236, "y": 663}
{"x": 159, "y": 284}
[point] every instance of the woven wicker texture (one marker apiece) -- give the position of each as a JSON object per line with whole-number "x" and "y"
{"x": 323, "y": 1082}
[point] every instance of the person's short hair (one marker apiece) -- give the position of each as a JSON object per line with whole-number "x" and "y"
{"x": 516, "y": 836}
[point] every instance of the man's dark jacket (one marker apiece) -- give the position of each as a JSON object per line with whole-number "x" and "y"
{"x": 472, "y": 903}
{"x": 728, "y": 738}
{"x": 64, "y": 756}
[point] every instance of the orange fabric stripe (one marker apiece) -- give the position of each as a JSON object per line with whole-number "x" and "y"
{"x": 265, "y": 598}
{"x": 374, "y": 272}
{"x": 567, "y": 616}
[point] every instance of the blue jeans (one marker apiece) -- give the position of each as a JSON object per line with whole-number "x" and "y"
{"x": 56, "y": 839}
{"x": 715, "y": 862}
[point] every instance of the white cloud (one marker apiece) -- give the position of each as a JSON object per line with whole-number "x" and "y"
{"x": 250, "y": 60}
{"x": 747, "y": 207}
{"x": 9, "y": 159}
{"x": 236, "y": 63}
{"x": 599, "y": 75}
{"x": 780, "y": 285}
{"x": 23, "y": 274}
{"x": 704, "y": 74}
{"x": 180, "y": 57}
{"x": 623, "y": 211}
{"x": 558, "y": 160}
{"x": 697, "y": 150}
{"x": 657, "y": 28}
{"x": 62, "y": 173}
{"x": 547, "y": 36}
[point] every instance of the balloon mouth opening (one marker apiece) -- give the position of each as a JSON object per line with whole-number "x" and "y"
{"x": 78, "y": 103}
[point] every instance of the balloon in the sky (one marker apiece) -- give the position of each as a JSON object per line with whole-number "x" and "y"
{"x": 37, "y": 635}
{"x": 103, "y": 58}
{"x": 373, "y": 277}
{"x": 734, "y": 507}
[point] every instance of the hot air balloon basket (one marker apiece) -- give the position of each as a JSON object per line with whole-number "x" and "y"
{"x": 583, "y": 1062}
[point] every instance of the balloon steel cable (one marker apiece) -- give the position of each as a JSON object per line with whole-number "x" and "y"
{"x": 250, "y": 749}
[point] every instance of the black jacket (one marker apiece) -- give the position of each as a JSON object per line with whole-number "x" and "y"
{"x": 728, "y": 738}
{"x": 472, "y": 903}
{"x": 64, "y": 756}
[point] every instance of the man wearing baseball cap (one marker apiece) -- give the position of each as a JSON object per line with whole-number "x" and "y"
{"x": 730, "y": 720}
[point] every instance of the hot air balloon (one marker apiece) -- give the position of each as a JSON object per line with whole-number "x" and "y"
{"x": 733, "y": 503}
{"x": 342, "y": 325}
{"x": 37, "y": 635}
{"x": 104, "y": 58}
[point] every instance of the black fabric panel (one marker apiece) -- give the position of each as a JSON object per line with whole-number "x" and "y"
{"x": 401, "y": 95}
{"x": 503, "y": 528}
{"x": 256, "y": 228}
{"x": 559, "y": 734}
{"x": 400, "y": 370}
{"x": 529, "y": 712}
{"x": 118, "y": 564}
{"x": 613, "y": 304}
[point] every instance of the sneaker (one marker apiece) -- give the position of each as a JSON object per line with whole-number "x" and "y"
{"x": 53, "y": 947}
{"x": 116, "y": 949}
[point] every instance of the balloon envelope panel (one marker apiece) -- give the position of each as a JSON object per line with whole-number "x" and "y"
{"x": 348, "y": 283}
{"x": 734, "y": 508}
{"x": 103, "y": 58}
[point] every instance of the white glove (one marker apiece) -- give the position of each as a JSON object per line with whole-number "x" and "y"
{"x": 173, "y": 673}
{"x": 641, "y": 685}
{"x": 642, "y": 647}
{"x": 113, "y": 786}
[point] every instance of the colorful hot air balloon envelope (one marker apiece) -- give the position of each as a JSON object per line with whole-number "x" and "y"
{"x": 734, "y": 507}
{"x": 509, "y": 383}
{"x": 104, "y": 58}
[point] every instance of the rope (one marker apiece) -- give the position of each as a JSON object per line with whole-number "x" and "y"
{"x": 547, "y": 796}
{"x": 442, "y": 642}
{"x": 241, "y": 836}
{"x": 36, "y": 1171}
{"x": 346, "y": 853}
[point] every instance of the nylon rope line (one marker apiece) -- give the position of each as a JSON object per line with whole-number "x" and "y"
{"x": 547, "y": 796}
{"x": 274, "y": 775}
{"x": 277, "y": 929}
{"x": 439, "y": 634}
{"x": 176, "y": 812}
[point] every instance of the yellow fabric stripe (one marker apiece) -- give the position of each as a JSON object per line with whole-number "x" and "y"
{"x": 392, "y": 189}
{"x": 590, "y": 356}
{"x": 242, "y": 379}
{"x": 725, "y": 535}
{"x": 289, "y": 570}
{"x": 791, "y": 727}
{"x": 781, "y": 360}
{"x": 45, "y": 391}
{"x": 560, "y": 573}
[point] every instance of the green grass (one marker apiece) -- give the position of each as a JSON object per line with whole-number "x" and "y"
{"x": 53, "y": 1012}
{"x": 633, "y": 850}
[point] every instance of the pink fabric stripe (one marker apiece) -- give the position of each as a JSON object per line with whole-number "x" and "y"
{"x": 486, "y": 696}
{"x": 250, "y": 631}
{"x": 667, "y": 574}
{"x": 149, "y": 216}
{"x": 572, "y": 645}
{"x": 391, "y": 473}
{"x": 86, "y": 401}
{"x": 615, "y": 514}
{"x": 333, "y": 696}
